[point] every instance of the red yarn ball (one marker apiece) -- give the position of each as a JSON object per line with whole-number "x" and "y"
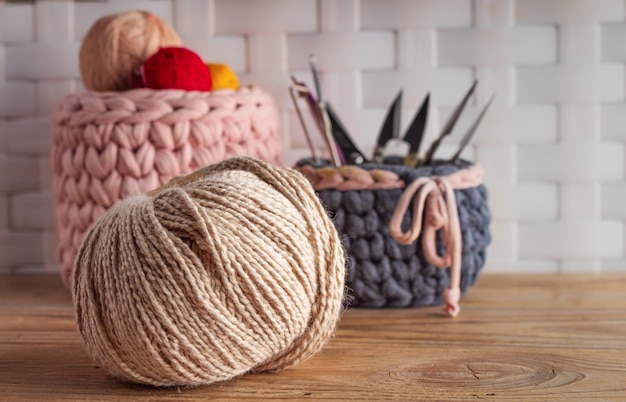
{"x": 176, "y": 68}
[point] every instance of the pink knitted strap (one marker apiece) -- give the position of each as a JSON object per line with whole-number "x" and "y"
{"x": 350, "y": 178}
{"x": 436, "y": 205}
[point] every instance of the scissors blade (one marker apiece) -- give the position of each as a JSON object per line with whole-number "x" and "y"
{"x": 447, "y": 128}
{"x": 352, "y": 155}
{"x": 390, "y": 128}
{"x": 470, "y": 132}
{"x": 415, "y": 133}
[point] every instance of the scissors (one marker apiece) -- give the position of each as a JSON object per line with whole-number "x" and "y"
{"x": 413, "y": 136}
{"x": 389, "y": 130}
{"x": 350, "y": 153}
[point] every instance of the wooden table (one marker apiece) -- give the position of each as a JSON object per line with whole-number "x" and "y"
{"x": 542, "y": 337}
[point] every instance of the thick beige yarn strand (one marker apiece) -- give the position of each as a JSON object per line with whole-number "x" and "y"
{"x": 231, "y": 269}
{"x": 117, "y": 44}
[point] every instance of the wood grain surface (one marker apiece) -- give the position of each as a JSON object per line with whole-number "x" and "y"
{"x": 535, "y": 337}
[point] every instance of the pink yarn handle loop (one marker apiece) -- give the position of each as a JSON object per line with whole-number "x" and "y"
{"x": 420, "y": 188}
{"x": 435, "y": 209}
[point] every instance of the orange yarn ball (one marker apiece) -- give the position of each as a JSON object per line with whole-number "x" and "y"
{"x": 223, "y": 76}
{"x": 117, "y": 44}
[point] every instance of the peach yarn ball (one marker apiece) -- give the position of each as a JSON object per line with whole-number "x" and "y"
{"x": 117, "y": 44}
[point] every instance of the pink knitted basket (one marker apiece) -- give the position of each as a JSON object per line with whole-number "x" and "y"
{"x": 109, "y": 145}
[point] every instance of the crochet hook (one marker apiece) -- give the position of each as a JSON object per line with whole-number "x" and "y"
{"x": 447, "y": 128}
{"x": 470, "y": 132}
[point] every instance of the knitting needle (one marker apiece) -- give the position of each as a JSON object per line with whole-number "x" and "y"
{"x": 316, "y": 79}
{"x": 470, "y": 132}
{"x": 447, "y": 129}
{"x": 323, "y": 123}
{"x": 337, "y": 156}
{"x": 292, "y": 92}
{"x": 321, "y": 105}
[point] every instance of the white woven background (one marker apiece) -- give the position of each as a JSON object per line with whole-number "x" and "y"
{"x": 552, "y": 144}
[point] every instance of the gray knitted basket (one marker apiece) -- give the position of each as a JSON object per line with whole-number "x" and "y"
{"x": 385, "y": 273}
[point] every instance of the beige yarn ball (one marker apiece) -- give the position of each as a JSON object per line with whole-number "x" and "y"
{"x": 117, "y": 44}
{"x": 234, "y": 268}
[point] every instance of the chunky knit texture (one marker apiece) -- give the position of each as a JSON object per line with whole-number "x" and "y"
{"x": 383, "y": 272}
{"x": 109, "y": 145}
{"x": 234, "y": 268}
